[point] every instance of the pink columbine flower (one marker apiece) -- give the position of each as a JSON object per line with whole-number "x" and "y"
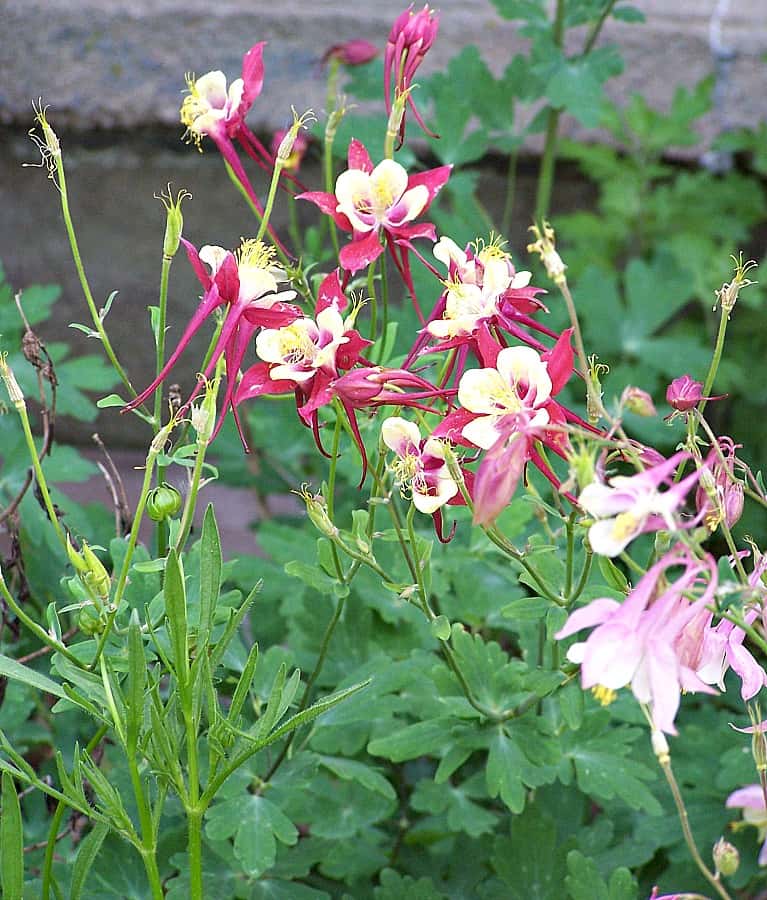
{"x": 712, "y": 650}
{"x": 751, "y": 800}
{"x": 719, "y": 496}
{"x": 410, "y": 39}
{"x": 247, "y": 283}
{"x": 634, "y": 642}
{"x": 685, "y": 392}
{"x": 356, "y": 52}
{"x": 632, "y": 505}
{"x": 379, "y": 202}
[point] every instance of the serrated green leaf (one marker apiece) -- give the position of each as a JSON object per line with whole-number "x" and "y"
{"x": 369, "y": 778}
{"x": 530, "y": 863}
{"x": 418, "y": 739}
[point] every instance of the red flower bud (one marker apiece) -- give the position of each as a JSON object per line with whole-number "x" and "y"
{"x": 684, "y": 392}
{"x": 351, "y": 53}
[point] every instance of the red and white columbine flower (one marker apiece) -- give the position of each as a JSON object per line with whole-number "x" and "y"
{"x": 375, "y": 202}
{"x": 420, "y": 468}
{"x": 632, "y": 505}
{"x": 247, "y": 282}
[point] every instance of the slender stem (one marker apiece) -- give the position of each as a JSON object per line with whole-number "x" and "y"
{"x": 148, "y": 848}
{"x": 254, "y": 209}
{"x": 191, "y": 500}
{"x": 724, "y": 319}
{"x": 582, "y": 581}
{"x": 162, "y": 527}
{"x": 511, "y": 187}
{"x": 597, "y": 28}
{"x": 122, "y": 579}
{"x": 86, "y": 289}
{"x": 570, "y": 529}
{"x": 373, "y": 300}
{"x": 21, "y": 408}
{"x": 548, "y": 160}
{"x": 665, "y": 764}
{"x": 36, "y": 629}
{"x": 385, "y": 299}
{"x": 278, "y": 167}
{"x": 47, "y": 873}
{"x": 330, "y": 136}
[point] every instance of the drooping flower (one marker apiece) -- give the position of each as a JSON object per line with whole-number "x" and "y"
{"x": 355, "y": 52}
{"x": 247, "y": 283}
{"x": 381, "y": 202}
{"x": 719, "y": 497}
{"x": 632, "y": 505}
{"x": 634, "y": 642}
{"x": 685, "y": 392}
{"x": 420, "y": 468}
{"x": 751, "y": 800}
{"x": 411, "y": 37}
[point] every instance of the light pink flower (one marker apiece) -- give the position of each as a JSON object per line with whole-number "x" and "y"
{"x": 634, "y": 642}
{"x": 631, "y": 505}
{"x": 751, "y": 800}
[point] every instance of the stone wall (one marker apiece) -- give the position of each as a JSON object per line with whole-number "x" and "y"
{"x": 112, "y": 72}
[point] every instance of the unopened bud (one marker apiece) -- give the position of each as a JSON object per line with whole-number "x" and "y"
{"x": 582, "y": 468}
{"x": 544, "y": 246}
{"x": 163, "y": 502}
{"x": 726, "y": 858}
{"x": 397, "y": 114}
{"x": 351, "y": 53}
{"x": 285, "y": 149}
{"x": 11, "y": 385}
{"x": 727, "y": 295}
{"x": 203, "y": 414}
{"x": 317, "y": 510}
{"x": 639, "y": 402}
{"x": 174, "y": 220}
{"x": 90, "y": 570}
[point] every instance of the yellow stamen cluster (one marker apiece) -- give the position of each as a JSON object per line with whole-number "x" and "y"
{"x": 407, "y": 474}
{"x": 254, "y": 254}
{"x": 192, "y": 107}
{"x": 295, "y": 346}
{"x": 605, "y": 696}
{"x": 493, "y": 249}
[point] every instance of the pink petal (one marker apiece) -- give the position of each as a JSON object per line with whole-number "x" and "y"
{"x": 559, "y": 361}
{"x": 750, "y": 796}
{"x": 227, "y": 279}
{"x": 327, "y": 203}
{"x": 594, "y": 614}
{"x": 197, "y": 264}
{"x": 331, "y": 293}
{"x": 748, "y": 669}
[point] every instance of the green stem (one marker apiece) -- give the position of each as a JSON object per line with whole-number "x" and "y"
{"x": 715, "y": 361}
{"x": 278, "y": 167}
{"x": 597, "y": 28}
{"x": 255, "y": 210}
{"x": 148, "y": 847}
{"x": 548, "y": 163}
{"x": 36, "y": 629}
{"x": 21, "y": 408}
{"x": 586, "y": 571}
{"x": 162, "y": 527}
{"x": 47, "y": 873}
{"x": 373, "y": 301}
{"x": 95, "y": 317}
{"x": 570, "y": 529}
{"x": 665, "y": 764}
{"x": 122, "y": 580}
{"x": 191, "y": 500}
{"x": 385, "y": 299}
{"x": 511, "y": 186}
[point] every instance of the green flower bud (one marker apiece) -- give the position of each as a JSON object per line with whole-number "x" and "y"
{"x": 317, "y": 510}
{"x": 90, "y": 571}
{"x": 726, "y": 858}
{"x": 89, "y": 621}
{"x": 174, "y": 220}
{"x": 163, "y": 502}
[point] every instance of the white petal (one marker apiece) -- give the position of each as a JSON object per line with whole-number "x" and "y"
{"x": 482, "y": 431}
{"x": 525, "y": 364}
{"x": 446, "y": 250}
{"x": 388, "y": 182}
{"x": 269, "y": 345}
{"x": 484, "y": 391}
{"x": 400, "y": 435}
{"x": 414, "y": 200}
{"x": 331, "y": 320}
{"x": 607, "y": 539}
{"x": 211, "y": 87}
{"x": 212, "y": 256}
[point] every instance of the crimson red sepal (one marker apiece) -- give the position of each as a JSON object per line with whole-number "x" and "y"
{"x": 358, "y": 156}
{"x": 360, "y": 253}
{"x": 331, "y": 294}
{"x": 559, "y": 361}
{"x": 252, "y": 75}
{"x": 433, "y": 179}
{"x": 438, "y": 525}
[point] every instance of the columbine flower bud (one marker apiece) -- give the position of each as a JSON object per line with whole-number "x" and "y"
{"x": 727, "y": 295}
{"x": 174, "y": 220}
{"x": 351, "y": 53}
{"x": 301, "y": 144}
{"x": 11, "y": 385}
{"x": 317, "y": 510}
{"x": 639, "y": 402}
{"x": 90, "y": 570}
{"x": 285, "y": 149}
{"x": 203, "y": 414}
{"x": 684, "y": 393}
{"x": 719, "y": 496}
{"x": 726, "y": 858}
{"x": 163, "y": 502}
{"x": 544, "y": 246}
